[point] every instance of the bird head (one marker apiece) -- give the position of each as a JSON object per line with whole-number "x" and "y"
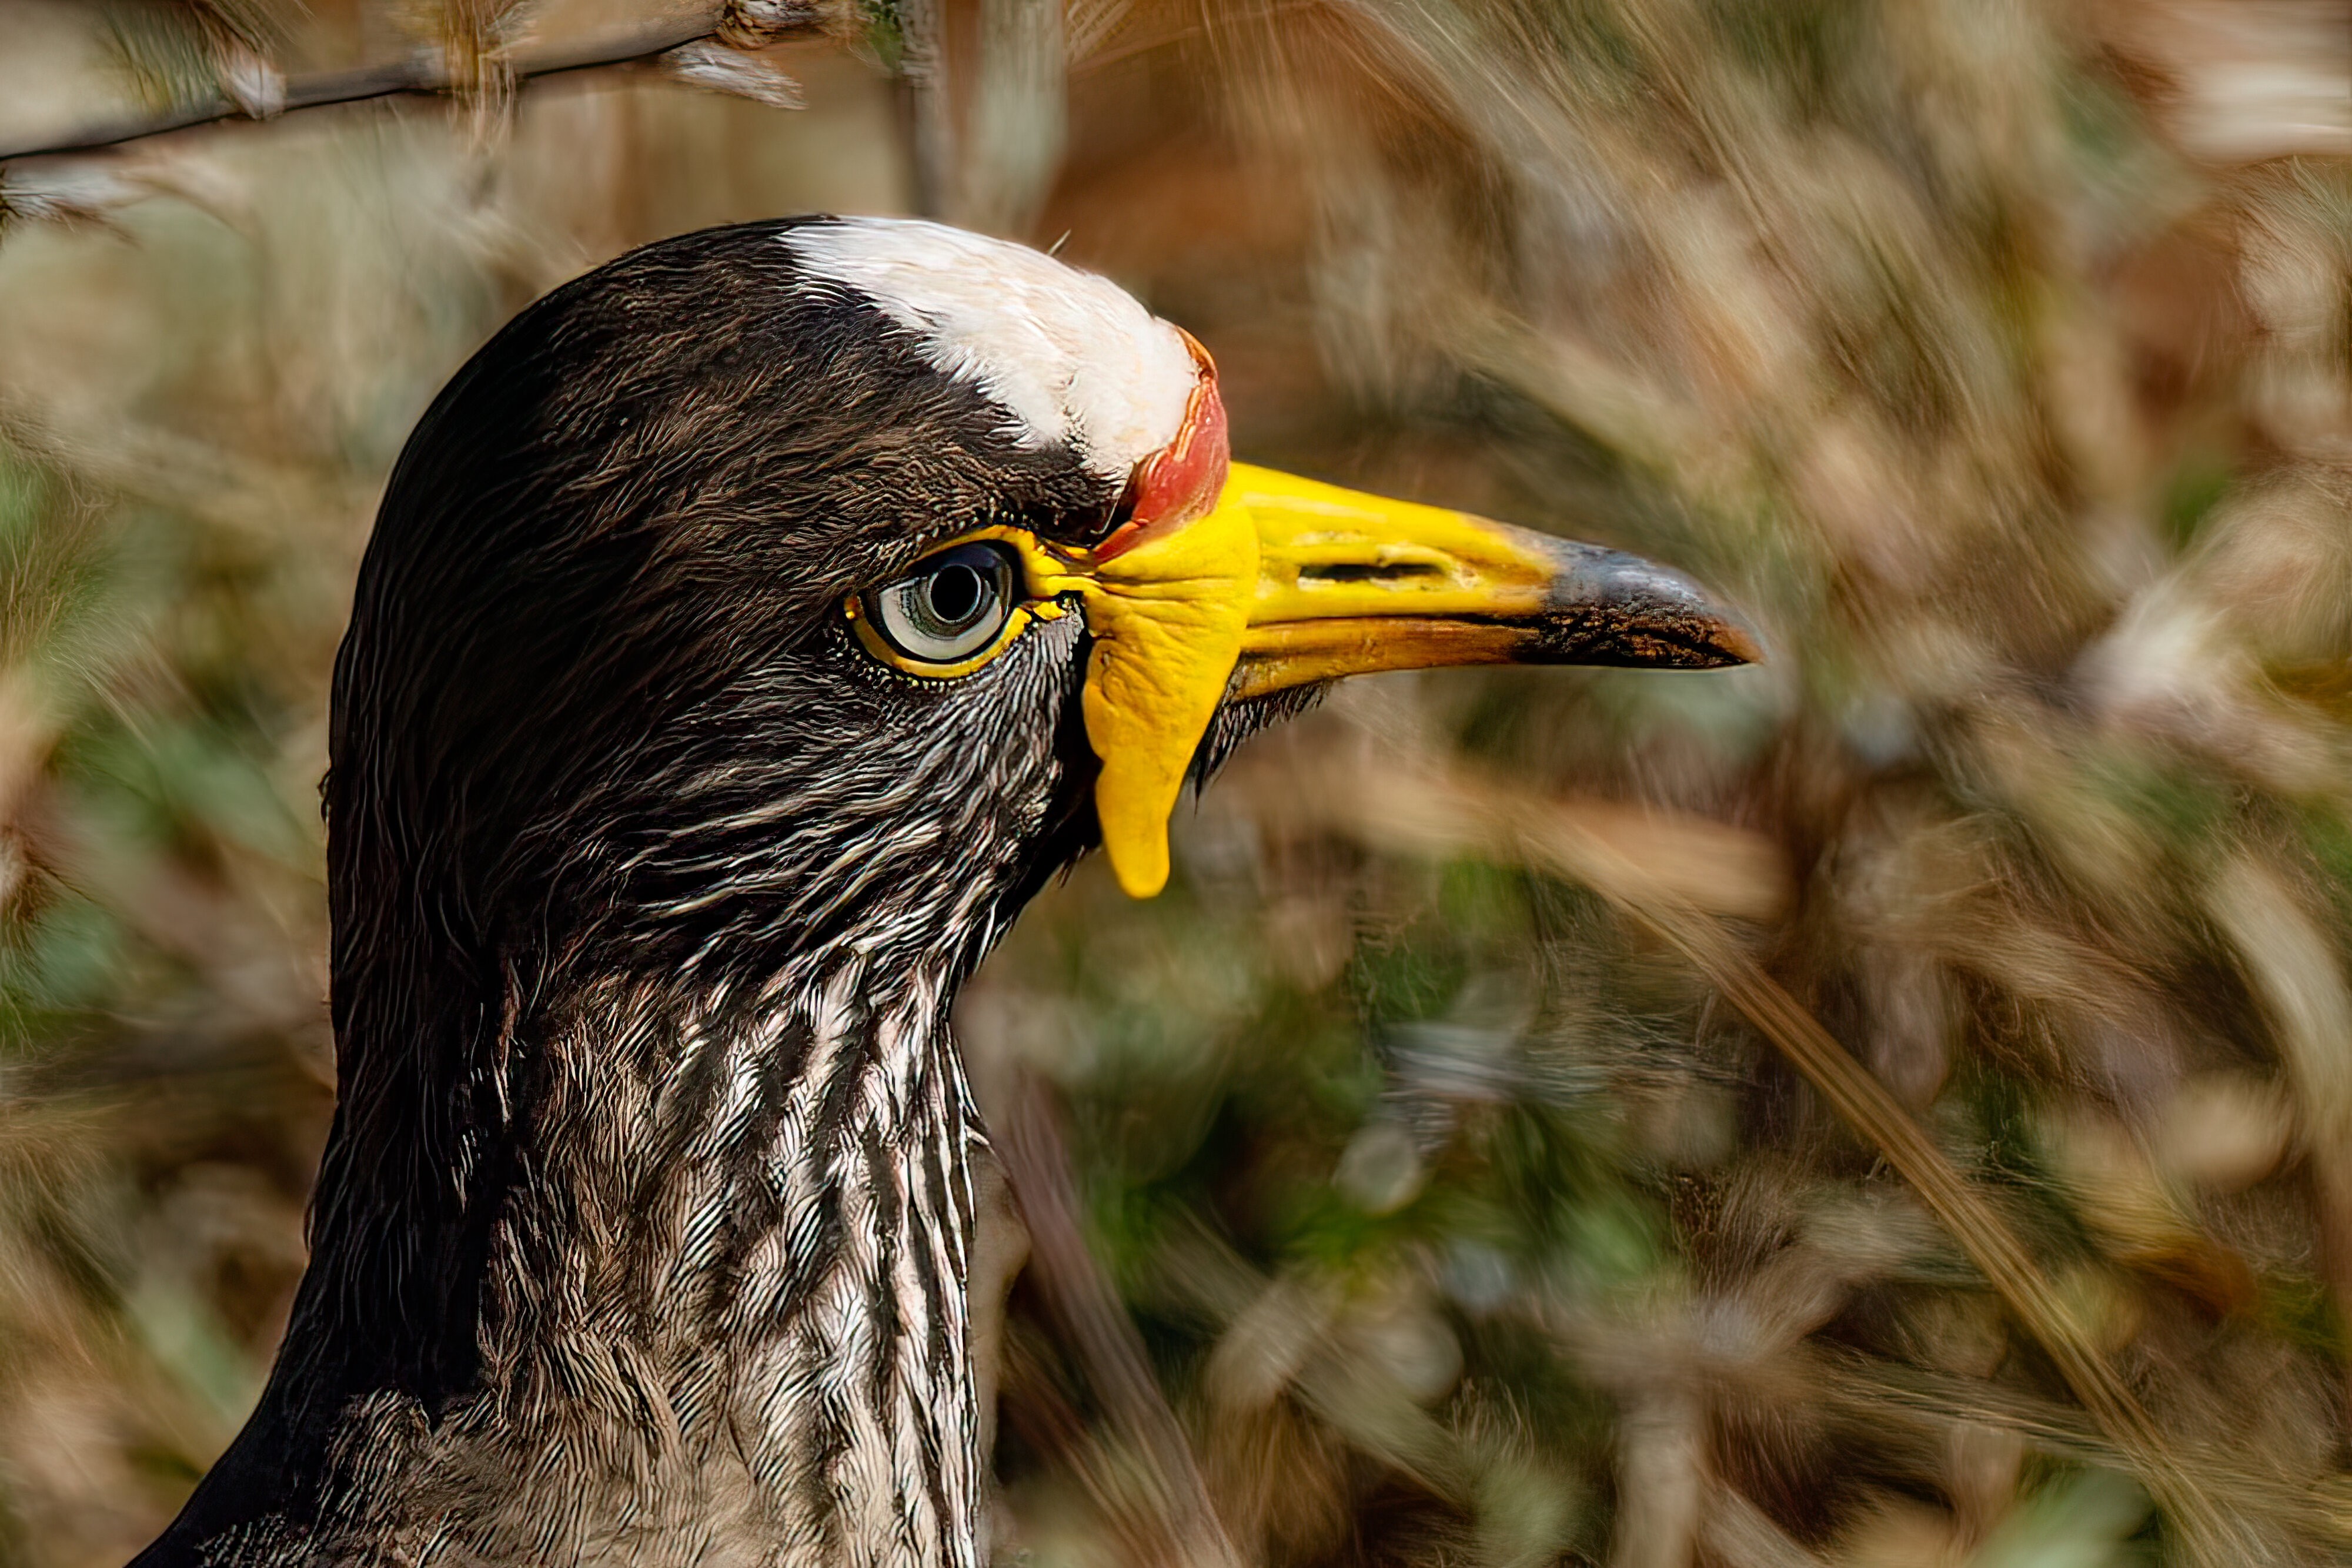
{"x": 836, "y": 580}
{"x": 748, "y": 630}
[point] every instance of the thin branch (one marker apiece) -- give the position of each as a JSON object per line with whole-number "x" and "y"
{"x": 423, "y": 73}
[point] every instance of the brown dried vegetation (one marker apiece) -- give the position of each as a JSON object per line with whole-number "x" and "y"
{"x": 1460, "y": 1150}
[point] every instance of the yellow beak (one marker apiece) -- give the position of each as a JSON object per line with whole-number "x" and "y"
{"x": 1285, "y": 581}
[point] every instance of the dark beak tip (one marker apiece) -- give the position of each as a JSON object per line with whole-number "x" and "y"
{"x": 1609, "y": 607}
{"x": 1736, "y": 641}
{"x": 1703, "y": 635}
{"x": 1711, "y": 640}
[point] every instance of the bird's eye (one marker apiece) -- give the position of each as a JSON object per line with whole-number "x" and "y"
{"x": 948, "y": 609}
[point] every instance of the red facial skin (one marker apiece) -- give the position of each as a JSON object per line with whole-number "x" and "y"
{"x": 1182, "y": 480}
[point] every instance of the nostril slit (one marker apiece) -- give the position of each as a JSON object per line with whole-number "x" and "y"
{"x": 1364, "y": 571}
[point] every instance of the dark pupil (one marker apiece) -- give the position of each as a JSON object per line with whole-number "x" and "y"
{"x": 957, "y": 593}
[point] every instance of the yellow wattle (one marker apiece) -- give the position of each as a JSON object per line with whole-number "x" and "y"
{"x": 1167, "y": 618}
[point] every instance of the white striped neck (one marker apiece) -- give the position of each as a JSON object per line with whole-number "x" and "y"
{"x": 723, "y": 1317}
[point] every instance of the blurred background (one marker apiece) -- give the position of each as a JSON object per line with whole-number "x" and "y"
{"x": 1432, "y": 1175}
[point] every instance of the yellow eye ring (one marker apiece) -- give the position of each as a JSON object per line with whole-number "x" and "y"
{"x": 862, "y": 623}
{"x": 932, "y": 622}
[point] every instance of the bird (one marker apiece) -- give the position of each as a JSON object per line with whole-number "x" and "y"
{"x": 748, "y": 631}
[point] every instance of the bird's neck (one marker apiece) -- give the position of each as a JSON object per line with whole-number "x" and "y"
{"x": 719, "y": 1305}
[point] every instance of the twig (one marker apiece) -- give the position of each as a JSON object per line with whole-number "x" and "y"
{"x": 427, "y": 72}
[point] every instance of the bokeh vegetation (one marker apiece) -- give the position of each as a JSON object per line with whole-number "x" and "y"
{"x": 1396, "y": 1195}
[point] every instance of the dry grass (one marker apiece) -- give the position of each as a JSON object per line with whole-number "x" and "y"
{"x": 1463, "y": 1133}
